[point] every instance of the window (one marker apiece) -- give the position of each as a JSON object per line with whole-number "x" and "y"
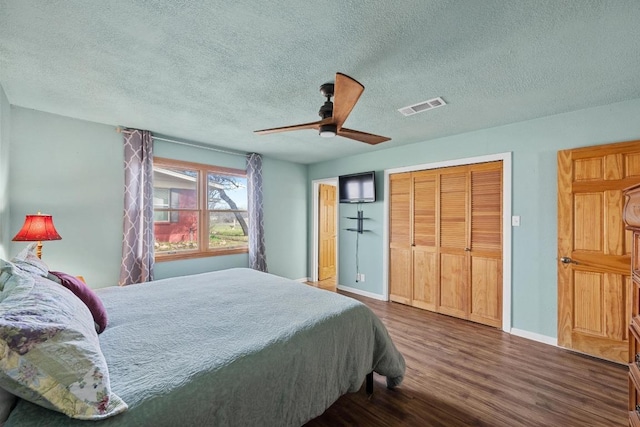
{"x": 198, "y": 210}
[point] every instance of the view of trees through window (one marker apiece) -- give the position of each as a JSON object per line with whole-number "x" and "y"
{"x": 182, "y": 202}
{"x": 227, "y": 205}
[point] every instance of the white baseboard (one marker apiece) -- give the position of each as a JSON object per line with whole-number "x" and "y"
{"x": 304, "y": 279}
{"x": 535, "y": 337}
{"x": 361, "y": 292}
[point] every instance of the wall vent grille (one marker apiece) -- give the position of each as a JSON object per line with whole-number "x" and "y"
{"x": 422, "y": 106}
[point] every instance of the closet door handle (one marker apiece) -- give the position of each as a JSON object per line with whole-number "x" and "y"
{"x": 467, "y": 249}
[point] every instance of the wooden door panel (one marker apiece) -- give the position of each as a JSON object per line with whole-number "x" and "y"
{"x": 603, "y": 348}
{"x": 614, "y": 166}
{"x": 614, "y": 243}
{"x": 588, "y": 222}
{"x": 588, "y": 169}
{"x": 486, "y": 210}
{"x": 424, "y": 209}
{"x": 588, "y": 296}
{"x": 453, "y": 285}
{"x": 327, "y": 257}
{"x": 632, "y": 164}
{"x": 486, "y": 291}
{"x": 425, "y": 278}
{"x": 616, "y": 294}
{"x": 400, "y": 209}
{"x": 593, "y": 290}
{"x": 400, "y": 275}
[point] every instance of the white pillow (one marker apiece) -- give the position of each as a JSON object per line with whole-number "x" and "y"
{"x": 28, "y": 261}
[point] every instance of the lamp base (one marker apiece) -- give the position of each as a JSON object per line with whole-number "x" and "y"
{"x": 39, "y": 249}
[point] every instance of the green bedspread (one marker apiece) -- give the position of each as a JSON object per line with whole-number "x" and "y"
{"x": 233, "y": 347}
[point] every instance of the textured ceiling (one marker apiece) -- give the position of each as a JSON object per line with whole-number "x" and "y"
{"x": 213, "y": 71}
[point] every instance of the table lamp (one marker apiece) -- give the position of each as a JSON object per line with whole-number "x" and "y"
{"x": 37, "y": 228}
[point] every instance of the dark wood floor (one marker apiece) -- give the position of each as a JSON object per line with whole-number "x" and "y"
{"x": 464, "y": 374}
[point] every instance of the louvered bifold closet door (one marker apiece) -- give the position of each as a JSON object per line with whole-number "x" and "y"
{"x": 425, "y": 251}
{"x": 453, "y": 242}
{"x": 485, "y": 292}
{"x": 445, "y": 241}
{"x": 400, "y": 229}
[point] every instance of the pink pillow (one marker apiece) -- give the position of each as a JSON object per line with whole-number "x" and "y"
{"x": 88, "y": 297}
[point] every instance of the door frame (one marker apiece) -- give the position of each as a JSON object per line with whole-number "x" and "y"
{"x": 315, "y": 188}
{"x": 506, "y": 222}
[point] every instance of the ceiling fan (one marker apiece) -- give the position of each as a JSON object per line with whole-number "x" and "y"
{"x": 346, "y": 92}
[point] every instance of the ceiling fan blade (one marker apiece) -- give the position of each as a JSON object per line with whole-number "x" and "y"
{"x": 347, "y": 91}
{"x": 311, "y": 125}
{"x": 368, "y": 138}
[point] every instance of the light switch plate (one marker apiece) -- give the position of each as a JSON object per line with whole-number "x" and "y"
{"x": 515, "y": 221}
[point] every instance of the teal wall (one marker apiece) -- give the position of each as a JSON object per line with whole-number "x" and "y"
{"x": 285, "y": 217}
{"x": 534, "y": 145}
{"x": 73, "y": 169}
{"x": 5, "y": 123}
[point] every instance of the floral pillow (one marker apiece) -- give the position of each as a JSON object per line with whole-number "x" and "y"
{"x": 49, "y": 349}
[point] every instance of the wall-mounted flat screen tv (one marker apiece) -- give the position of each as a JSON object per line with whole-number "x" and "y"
{"x": 357, "y": 187}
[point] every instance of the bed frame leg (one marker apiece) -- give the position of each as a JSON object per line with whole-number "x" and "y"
{"x": 369, "y": 386}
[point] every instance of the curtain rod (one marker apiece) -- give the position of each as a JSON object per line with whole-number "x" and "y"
{"x": 173, "y": 141}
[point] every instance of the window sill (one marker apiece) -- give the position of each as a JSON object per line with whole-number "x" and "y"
{"x": 189, "y": 255}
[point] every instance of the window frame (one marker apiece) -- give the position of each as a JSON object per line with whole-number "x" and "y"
{"x": 202, "y": 208}
{"x": 161, "y": 209}
{"x": 170, "y": 210}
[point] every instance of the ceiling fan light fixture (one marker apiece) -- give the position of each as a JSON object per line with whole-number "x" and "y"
{"x": 328, "y": 130}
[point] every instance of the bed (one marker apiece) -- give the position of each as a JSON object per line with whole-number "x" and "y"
{"x": 232, "y": 347}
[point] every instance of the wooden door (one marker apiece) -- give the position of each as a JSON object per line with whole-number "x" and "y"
{"x": 485, "y": 256}
{"x": 400, "y": 229}
{"x": 327, "y": 232}
{"x": 594, "y": 303}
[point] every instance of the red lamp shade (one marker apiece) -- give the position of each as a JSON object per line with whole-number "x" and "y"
{"x": 36, "y": 228}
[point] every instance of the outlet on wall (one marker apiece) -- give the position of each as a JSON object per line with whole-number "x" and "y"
{"x": 359, "y": 277}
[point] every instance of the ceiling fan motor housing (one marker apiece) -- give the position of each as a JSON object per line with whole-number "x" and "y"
{"x": 326, "y": 110}
{"x": 327, "y": 90}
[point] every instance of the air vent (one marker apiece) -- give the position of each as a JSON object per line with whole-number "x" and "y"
{"x": 422, "y": 106}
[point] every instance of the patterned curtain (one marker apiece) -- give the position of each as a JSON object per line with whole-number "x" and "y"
{"x": 257, "y": 256}
{"x": 137, "y": 243}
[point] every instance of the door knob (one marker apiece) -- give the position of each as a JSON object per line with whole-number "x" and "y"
{"x": 567, "y": 260}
